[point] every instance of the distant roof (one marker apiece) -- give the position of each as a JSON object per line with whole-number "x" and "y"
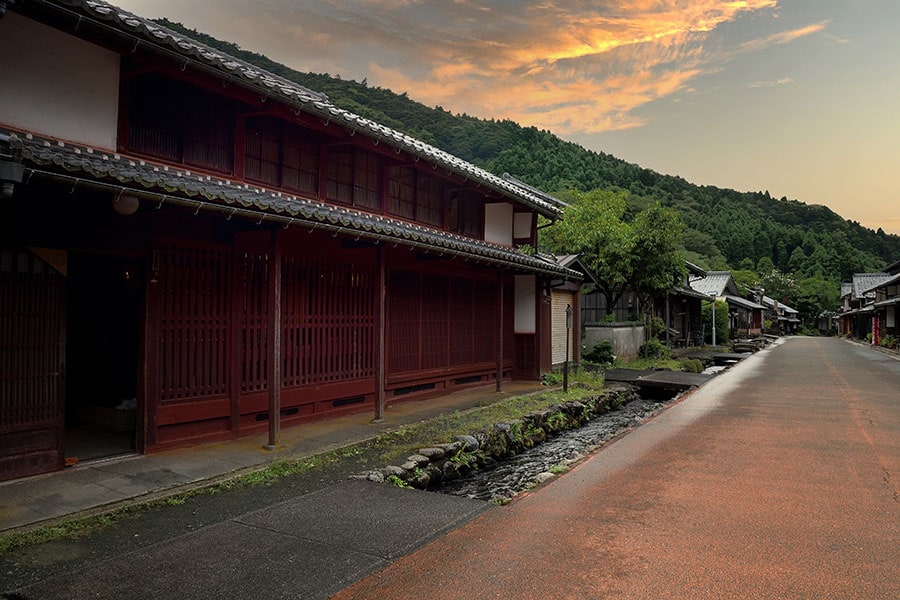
{"x": 770, "y": 303}
{"x": 742, "y": 302}
{"x": 865, "y": 283}
{"x": 167, "y": 42}
{"x": 893, "y": 268}
{"x": 715, "y": 282}
{"x": 694, "y": 269}
{"x": 574, "y": 263}
{"x": 846, "y": 288}
{"x": 891, "y": 280}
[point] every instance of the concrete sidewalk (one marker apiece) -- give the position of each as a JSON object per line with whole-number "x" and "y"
{"x": 103, "y": 485}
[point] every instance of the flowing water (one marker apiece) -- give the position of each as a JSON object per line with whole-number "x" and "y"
{"x": 506, "y": 478}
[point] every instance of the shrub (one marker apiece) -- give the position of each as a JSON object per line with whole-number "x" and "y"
{"x": 653, "y": 349}
{"x": 657, "y": 327}
{"x": 888, "y": 341}
{"x": 691, "y": 365}
{"x": 601, "y": 353}
{"x": 551, "y": 378}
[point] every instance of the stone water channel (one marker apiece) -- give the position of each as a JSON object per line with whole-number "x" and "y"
{"x": 505, "y": 478}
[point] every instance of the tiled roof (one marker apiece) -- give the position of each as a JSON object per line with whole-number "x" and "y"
{"x": 298, "y": 97}
{"x": 846, "y": 288}
{"x": 160, "y": 183}
{"x": 865, "y": 283}
{"x": 717, "y": 282}
{"x": 742, "y": 302}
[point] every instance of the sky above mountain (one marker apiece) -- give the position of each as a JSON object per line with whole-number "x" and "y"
{"x": 799, "y": 98}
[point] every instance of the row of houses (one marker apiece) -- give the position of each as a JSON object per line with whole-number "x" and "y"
{"x": 194, "y": 249}
{"x": 750, "y": 312}
{"x": 869, "y": 305}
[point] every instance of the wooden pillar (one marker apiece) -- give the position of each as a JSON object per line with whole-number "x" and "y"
{"x": 274, "y": 345}
{"x": 380, "y": 341}
{"x": 499, "y": 375}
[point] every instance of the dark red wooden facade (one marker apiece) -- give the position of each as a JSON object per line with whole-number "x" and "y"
{"x": 212, "y": 315}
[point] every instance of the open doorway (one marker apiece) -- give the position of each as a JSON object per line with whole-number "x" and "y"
{"x": 105, "y": 312}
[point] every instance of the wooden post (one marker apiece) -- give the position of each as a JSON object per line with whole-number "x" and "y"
{"x": 380, "y": 349}
{"x": 499, "y": 376}
{"x": 274, "y": 345}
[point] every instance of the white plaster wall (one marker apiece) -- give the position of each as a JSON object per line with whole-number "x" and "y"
{"x": 560, "y": 299}
{"x": 522, "y": 225}
{"x": 526, "y": 304}
{"x": 498, "y": 223}
{"x": 54, "y": 84}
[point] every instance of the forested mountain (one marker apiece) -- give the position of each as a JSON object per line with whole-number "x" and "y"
{"x": 726, "y": 229}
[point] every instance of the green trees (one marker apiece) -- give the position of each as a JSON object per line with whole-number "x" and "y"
{"x": 640, "y": 256}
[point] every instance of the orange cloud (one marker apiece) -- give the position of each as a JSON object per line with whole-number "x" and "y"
{"x": 574, "y": 68}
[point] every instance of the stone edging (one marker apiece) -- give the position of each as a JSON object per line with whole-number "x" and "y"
{"x": 447, "y": 462}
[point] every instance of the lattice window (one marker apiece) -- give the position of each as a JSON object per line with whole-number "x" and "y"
{"x": 367, "y": 181}
{"x": 300, "y": 168}
{"x": 461, "y": 322}
{"x": 31, "y": 342}
{"x": 402, "y": 192}
{"x": 281, "y": 154}
{"x": 429, "y": 200}
{"x": 254, "y": 322}
{"x": 328, "y": 314}
{"x": 403, "y": 319}
{"x": 471, "y": 215}
{"x": 339, "y": 175}
{"x": 262, "y": 151}
{"x": 180, "y": 123}
{"x": 193, "y": 322}
{"x": 485, "y": 321}
{"x": 434, "y": 321}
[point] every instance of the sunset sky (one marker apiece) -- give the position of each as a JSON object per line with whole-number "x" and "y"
{"x": 797, "y": 97}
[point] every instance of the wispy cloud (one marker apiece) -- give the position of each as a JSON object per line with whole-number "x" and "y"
{"x": 763, "y": 84}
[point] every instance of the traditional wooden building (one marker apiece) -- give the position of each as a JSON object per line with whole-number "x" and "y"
{"x": 194, "y": 249}
{"x": 745, "y": 316}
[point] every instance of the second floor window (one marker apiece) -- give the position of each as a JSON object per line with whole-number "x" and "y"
{"x": 180, "y": 123}
{"x": 281, "y": 155}
{"x": 353, "y": 177}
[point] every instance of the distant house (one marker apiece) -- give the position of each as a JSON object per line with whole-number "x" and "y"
{"x": 857, "y": 316}
{"x": 219, "y": 251}
{"x": 681, "y": 310}
{"x": 886, "y": 303}
{"x": 565, "y": 311}
{"x": 784, "y": 318}
{"x": 745, "y": 316}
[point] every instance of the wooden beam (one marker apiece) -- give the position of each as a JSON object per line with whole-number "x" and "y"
{"x": 499, "y": 375}
{"x": 380, "y": 338}
{"x": 274, "y": 345}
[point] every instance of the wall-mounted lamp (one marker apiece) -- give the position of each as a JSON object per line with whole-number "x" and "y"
{"x": 125, "y": 205}
{"x": 11, "y": 173}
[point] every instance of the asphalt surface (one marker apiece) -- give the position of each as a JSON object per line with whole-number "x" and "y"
{"x": 777, "y": 479}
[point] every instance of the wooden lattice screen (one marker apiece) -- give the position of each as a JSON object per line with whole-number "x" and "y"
{"x": 328, "y": 312}
{"x": 404, "y": 295}
{"x": 193, "y": 322}
{"x": 254, "y": 322}
{"x": 32, "y": 353}
{"x": 436, "y": 321}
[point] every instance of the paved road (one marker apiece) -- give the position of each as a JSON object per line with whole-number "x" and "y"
{"x": 778, "y": 480}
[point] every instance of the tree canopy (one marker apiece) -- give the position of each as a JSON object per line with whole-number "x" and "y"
{"x": 640, "y": 256}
